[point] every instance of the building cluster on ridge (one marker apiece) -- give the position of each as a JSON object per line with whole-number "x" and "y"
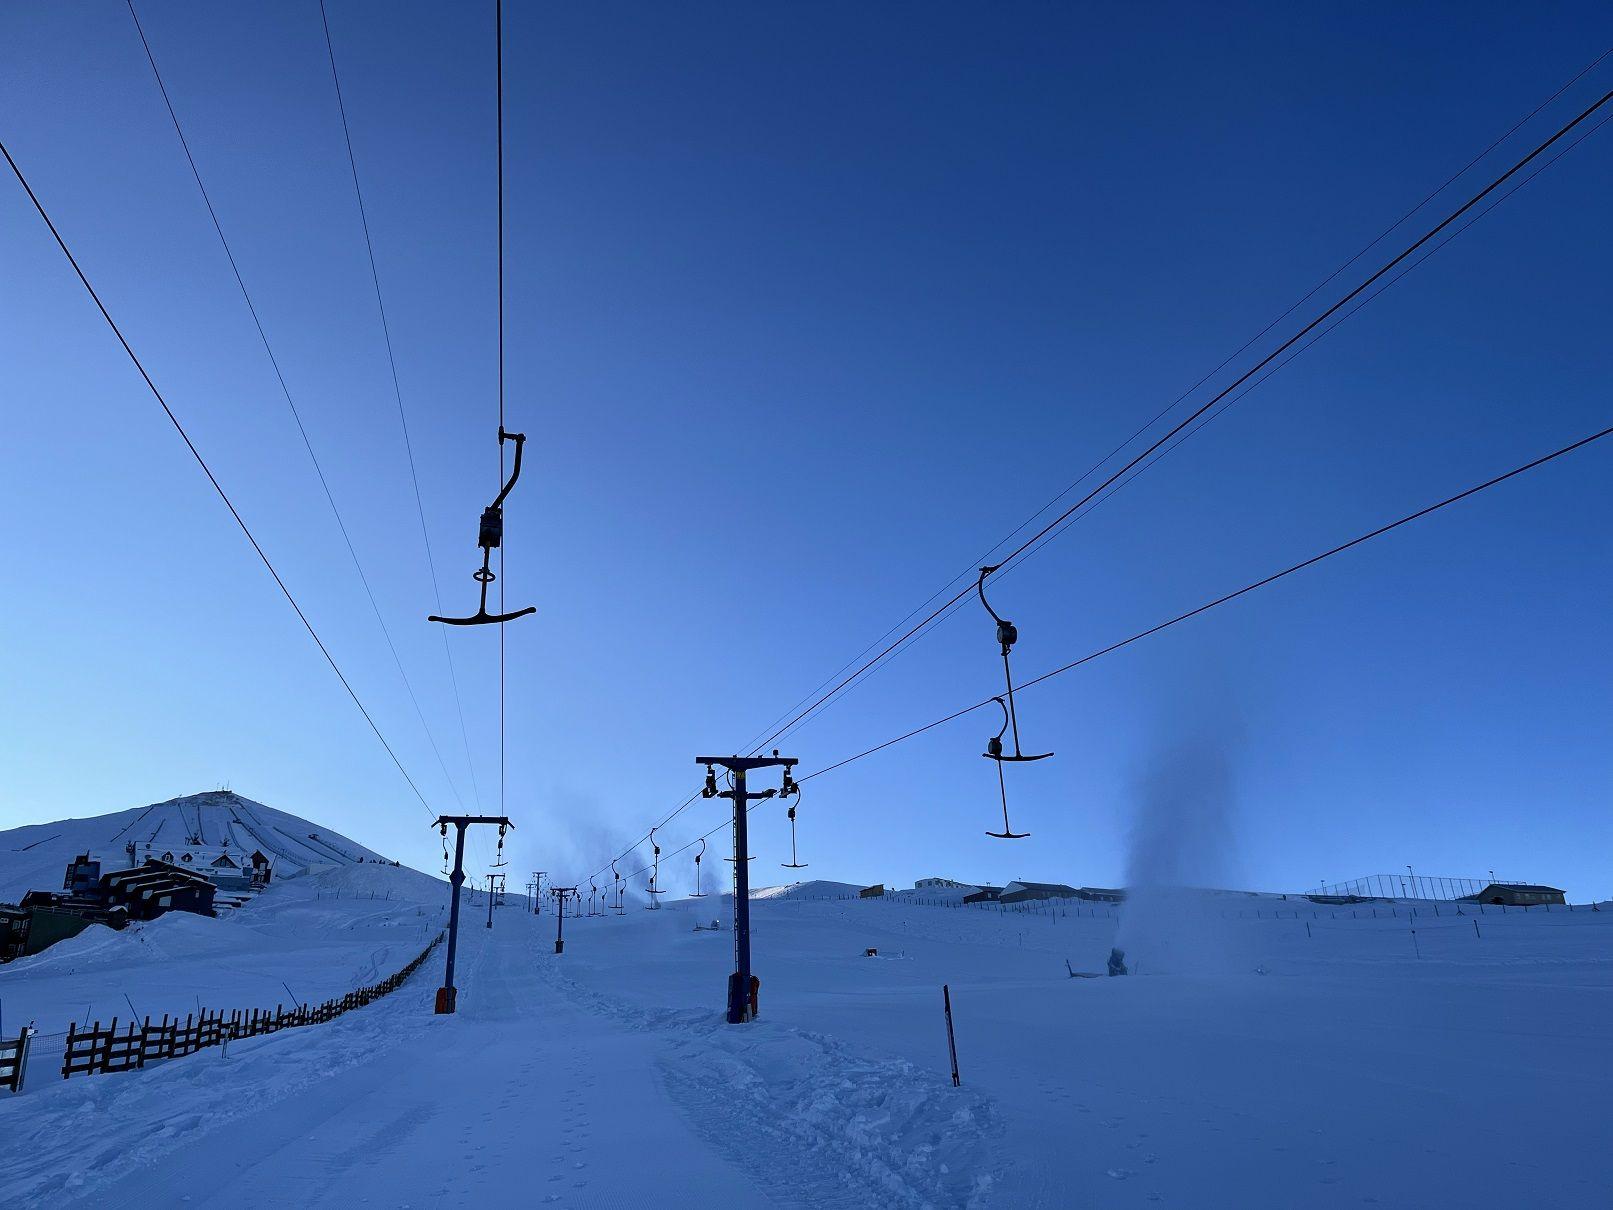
{"x": 183, "y": 879}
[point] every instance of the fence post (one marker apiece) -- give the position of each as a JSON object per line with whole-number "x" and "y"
{"x": 24, "y": 1044}
{"x": 952, "y": 1043}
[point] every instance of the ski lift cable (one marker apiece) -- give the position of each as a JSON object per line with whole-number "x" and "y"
{"x": 1226, "y": 598}
{"x": 208, "y": 471}
{"x": 1253, "y": 385}
{"x": 1246, "y": 376}
{"x": 1238, "y": 390}
{"x": 397, "y": 394}
{"x": 969, "y": 570}
{"x": 498, "y": 41}
{"x": 285, "y": 391}
{"x": 1236, "y": 594}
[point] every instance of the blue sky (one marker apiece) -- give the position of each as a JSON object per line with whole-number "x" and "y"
{"x": 808, "y": 306}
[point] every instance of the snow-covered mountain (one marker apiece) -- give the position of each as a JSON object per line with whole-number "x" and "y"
{"x": 34, "y": 857}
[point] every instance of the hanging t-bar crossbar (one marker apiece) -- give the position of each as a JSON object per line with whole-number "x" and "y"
{"x": 489, "y": 538}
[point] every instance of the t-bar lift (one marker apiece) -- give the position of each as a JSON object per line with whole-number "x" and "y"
{"x": 1007, "y": 636}
{"x": 489, "y": 537}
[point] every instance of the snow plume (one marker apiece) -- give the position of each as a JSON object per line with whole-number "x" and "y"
{"x": 568, "y": 845}
{"x": 1182, "y": 843}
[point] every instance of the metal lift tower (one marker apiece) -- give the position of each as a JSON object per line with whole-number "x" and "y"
{"x": 447, "y": 994}
{"x": 739, "y": 766}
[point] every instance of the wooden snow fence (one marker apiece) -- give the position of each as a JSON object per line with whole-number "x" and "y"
{"x": 13, "y": 1059}
{"x": 98, "y": 1049}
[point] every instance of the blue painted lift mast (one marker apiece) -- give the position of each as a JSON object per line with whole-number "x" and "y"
{"x": 495, "y": 885}
{"x": 739, "y": 983}
{"x": 560, "y": 893}
{"x": 447, "y": 994}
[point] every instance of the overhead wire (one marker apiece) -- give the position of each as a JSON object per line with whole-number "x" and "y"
{"x": 1225, "y": 598}
{"x": 1249, "y": 380}
{"x": 1253, "y": 384}
{"x": 970, "y": 570}
{"x": 1266, "y": 360}
{"x": 1216, "y": 602}
{"x": 208, "y": 471}
{"x": 498, "y": 38}
{"x": 285, "y": 391}
{"x": 397, "y": 394}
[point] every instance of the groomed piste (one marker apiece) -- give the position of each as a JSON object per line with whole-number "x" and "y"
{"x": 1267, "y": 1049}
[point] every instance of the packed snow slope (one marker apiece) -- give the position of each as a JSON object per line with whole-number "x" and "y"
{"x": 1300, "y": 1056}
{"x": 34, "y": 857}
{"x": 817, "y": 888}
{"x": 302, "y": 940}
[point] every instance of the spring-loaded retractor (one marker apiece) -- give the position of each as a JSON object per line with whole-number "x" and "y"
{"x": 489, "y": 537}
{"x": 1007, "y": 636}
{"x": 791, "y": 786}
{"x": 698, "y": 893}
{"x": 655, "y": 871}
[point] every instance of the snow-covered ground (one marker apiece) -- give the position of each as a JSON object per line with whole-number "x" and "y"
{"x": 303, "y": 939}
{"x": 1261, "y": 1061}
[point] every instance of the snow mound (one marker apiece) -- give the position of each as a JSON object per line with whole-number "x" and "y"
{"x": 35, "y": 856}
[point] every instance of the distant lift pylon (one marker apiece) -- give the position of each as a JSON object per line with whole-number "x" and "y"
{"x": 489, "y": 538}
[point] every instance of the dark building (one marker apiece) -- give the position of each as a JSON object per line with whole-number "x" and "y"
{"x": 1019, "y": 892}
{"x": 89, "y": 897}
{"x": 986, "y": 894}
{"x": 50, "y": 923}
{"x": 13, "y": 931}
{"x": 53, "y": 916}
{"x": 150, "y": 890}
{"x": 872, "y": 892}
{"x": 83, "y": 875}
{"x": 1518, "y": 894}
{"x": 1098, "y": 894}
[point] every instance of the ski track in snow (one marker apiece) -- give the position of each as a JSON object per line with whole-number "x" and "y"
{"x": 859, "y": 1131}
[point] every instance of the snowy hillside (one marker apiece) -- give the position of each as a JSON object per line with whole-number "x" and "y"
{"x": 34, "y": 857}
{"x": 815, "y": 889}
{"x": 1268, "y": 1056}
{"x": 302, "y": 940}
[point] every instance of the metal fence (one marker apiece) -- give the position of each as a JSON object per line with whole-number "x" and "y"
{"x": 1413, "y": 886}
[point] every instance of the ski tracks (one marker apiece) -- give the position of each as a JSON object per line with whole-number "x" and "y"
{"x": 814, "y": 1121}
